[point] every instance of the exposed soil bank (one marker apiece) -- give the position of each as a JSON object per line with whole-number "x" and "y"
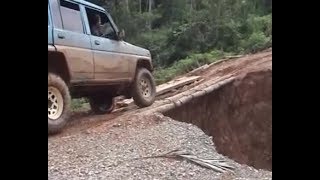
{"x": 238, "y": 116}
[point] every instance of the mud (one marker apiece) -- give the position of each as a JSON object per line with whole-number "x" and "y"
{"x": 238, "y": 116}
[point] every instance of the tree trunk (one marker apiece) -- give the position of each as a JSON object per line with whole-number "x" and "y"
{"x": 116, "y": 3}
{"x": 147, "y": 2}
{"x": 150, "y": 3}
{"x": 218, "y": 19}
{"x": 127, "y": 6}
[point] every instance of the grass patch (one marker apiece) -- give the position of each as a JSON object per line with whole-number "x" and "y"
{"x": 79, "y": 104}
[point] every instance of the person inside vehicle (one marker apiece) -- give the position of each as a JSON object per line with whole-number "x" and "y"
{"x": 96, "y": 28}
{"x": 101, "y": 29}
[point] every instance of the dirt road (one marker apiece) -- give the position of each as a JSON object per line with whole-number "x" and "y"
{"x": 95, "y": 146}
{"x": 83, "y": 121}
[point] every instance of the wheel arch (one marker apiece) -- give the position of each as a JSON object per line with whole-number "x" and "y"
{"x": 57, "y": 64}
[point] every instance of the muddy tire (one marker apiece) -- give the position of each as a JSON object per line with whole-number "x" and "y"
{"x": 59, "y": 101}
{"x": 143, "y": 88}
{"x": 101, "y": 105}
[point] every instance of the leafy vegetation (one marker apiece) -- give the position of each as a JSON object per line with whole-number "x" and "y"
{"x": 185, "y": 65}
{"x": 184, "y": 34}
{"x": 78, "y": 104}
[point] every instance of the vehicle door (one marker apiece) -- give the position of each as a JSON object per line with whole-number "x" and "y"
{"x": 49, "y": 27}
{"x": 71, "y": 38}
{"x": 110, "y": 64}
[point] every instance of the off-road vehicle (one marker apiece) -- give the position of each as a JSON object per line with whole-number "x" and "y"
{"x": 87, "y": 57}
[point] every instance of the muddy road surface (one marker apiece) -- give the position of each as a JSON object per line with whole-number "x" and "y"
{"x": 219, "y": 71}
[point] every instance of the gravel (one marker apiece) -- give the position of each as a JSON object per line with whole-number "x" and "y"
{"x": 115, "y": 151}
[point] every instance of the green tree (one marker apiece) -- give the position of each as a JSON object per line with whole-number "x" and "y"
{"x": 175, "y": 29}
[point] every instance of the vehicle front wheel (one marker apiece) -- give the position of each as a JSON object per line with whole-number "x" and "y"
{"x": 101, "y": 104}
{"x": 143, "y": 88}
{"x": 59, "y": 100}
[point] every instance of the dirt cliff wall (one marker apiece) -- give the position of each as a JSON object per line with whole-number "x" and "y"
{"x": 238, "y": 116}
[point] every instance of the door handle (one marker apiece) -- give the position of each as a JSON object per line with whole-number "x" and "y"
{"x": 61, "y": 36}
{"x": 96, "y": 42}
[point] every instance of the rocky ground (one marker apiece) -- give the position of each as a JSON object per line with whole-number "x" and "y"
{"x": 117, "y": 153}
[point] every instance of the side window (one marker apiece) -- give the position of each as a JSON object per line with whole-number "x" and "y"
{"x": 49, "y": 20}
{"x": 55, "y": 13}
{"x": 71, "y": 17}
{"x": 48, "y": 14}
{"x": 100, "y": 24}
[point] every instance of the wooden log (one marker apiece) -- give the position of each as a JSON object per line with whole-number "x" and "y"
{"x": 163, "y": 88}
{"x": 185, "y": 98}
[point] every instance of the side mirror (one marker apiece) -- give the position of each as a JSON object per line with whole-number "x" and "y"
{"x": 121, "y": 34}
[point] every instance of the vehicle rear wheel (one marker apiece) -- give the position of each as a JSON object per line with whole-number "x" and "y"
{"x": 101, "y": 104}
{"x": 59, "y": 100}
{"x": 144, "y": 88}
